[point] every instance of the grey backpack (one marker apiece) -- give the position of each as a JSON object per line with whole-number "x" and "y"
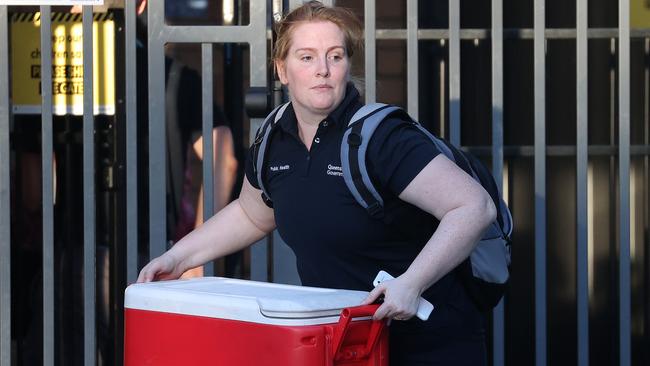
{"x": 485, "y": 272}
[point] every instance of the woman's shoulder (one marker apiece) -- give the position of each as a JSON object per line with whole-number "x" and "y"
{"x": 397, "y": 128}
{"x": 398, "y": 151}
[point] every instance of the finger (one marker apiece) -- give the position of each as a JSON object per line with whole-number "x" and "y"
{"x": 148, "y": 274}
{"x": 141, "y": 277}
{"x": 400, "y": 316}
{"x": 382, "y": 312}
{"x": 374, "y": 295}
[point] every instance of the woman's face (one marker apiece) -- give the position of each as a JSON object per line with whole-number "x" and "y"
{"x": 316, "y": 68}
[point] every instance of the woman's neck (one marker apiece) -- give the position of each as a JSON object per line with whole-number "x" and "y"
{"x": 307, "y": 124}
{"x": 306, "y": 117}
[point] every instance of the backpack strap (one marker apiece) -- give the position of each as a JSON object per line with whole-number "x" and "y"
{"x": 353, "y": 156}
{"x": 261, "y": 144}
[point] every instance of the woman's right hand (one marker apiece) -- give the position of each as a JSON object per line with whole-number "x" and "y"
{"x": 165, "y": 267}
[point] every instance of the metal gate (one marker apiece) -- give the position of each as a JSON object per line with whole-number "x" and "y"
{"x": 272, "y": 256}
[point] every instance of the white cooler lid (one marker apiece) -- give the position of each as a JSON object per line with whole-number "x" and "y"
{"x": 259, "y": 302}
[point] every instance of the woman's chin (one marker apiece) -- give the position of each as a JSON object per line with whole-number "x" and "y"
{"x": 323, "y": 106}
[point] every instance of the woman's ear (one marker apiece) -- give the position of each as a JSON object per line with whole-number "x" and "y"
{"x": 282, "y": 72}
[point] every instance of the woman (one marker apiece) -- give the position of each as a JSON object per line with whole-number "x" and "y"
{"x": 337, "y": 244}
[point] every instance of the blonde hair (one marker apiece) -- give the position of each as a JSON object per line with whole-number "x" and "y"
{"x": 315, "y": 11}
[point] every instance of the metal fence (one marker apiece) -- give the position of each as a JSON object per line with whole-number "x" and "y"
{"x": 257, "y": 35}
{"x": 5, "y": 243}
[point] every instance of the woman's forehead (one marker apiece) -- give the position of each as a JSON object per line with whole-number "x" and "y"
{"x": 316, "y": 34}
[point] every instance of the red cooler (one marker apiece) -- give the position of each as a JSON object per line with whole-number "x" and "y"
{"x": 222, "y": 321}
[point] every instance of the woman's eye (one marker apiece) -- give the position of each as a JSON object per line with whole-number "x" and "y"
{"x": 336, "y": 57}
{"x": 306, "y": 58}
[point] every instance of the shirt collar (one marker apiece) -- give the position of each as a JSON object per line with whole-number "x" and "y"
{"x": 339, "y": 116}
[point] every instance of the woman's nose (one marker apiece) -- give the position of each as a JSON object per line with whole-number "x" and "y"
{"x": 323, "y": 68}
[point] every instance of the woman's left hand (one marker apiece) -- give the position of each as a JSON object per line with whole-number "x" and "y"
{"x": 401, "y": 299}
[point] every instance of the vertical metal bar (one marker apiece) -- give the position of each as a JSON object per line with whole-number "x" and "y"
{"x": 131, "y": 143}
{"x": 540, "y": 183}
{"x": 442, "y": 87}
{"x": 294, "y": 4}
{"x": 624, "y": 180}
{"x": 613, "y": 253}
{"x": 498, "y": 316}
{"x": 157, "y": 152}
{"x": 582, "y": 161}
{"x": 258, "y": 46}
{"x": 47, "y": 190}
{"x": 370, "y": 25}
{"x": 454, "y": 72}
{"x": 208, "y": 157}
{"x": 258, "y": 70}
{"x": 646, "y": 192}
{"x": 5, "y": 207}
{"x": 89, "y": 189}
{"x": 412, "y": 57}
{"x": 497, "y": 92}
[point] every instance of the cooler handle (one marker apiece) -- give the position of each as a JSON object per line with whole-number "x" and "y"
{"x": 343, "y": 325}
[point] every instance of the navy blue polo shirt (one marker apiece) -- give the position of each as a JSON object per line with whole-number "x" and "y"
{"x": 338, "y": 245}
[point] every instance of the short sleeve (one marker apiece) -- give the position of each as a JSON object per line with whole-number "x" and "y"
{"x": 249, "y": 169}
{"x": 397, "y": 153}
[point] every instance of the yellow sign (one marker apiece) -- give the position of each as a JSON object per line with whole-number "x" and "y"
{"x": 67, "y": 63}
{"x": 640, "y": 14}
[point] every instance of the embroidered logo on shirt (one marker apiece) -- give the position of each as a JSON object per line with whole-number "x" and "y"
{"x": 277, "y": 168}
{"x": 334, "y": 170}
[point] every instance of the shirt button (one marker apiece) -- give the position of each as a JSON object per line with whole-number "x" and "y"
{"x": 325, "y": 123}
{"x": 317, "y": 140}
